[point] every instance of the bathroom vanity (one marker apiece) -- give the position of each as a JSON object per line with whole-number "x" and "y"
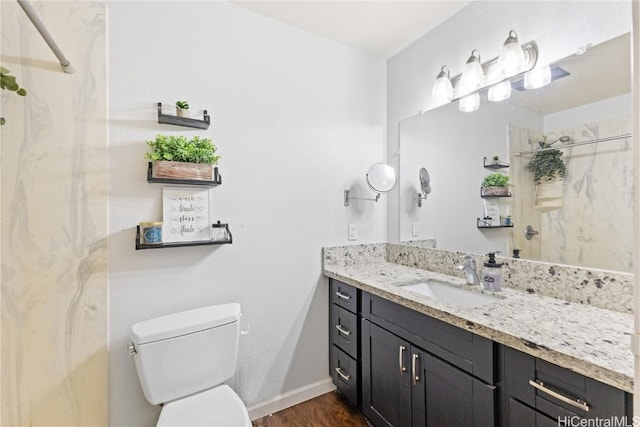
{"x": 521, "y": 359}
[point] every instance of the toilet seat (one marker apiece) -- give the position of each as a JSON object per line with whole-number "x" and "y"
{"x": 219, "y": 406}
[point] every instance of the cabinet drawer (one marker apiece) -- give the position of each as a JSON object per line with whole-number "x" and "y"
{"x": 344, "y": 371}
{"x": 463, "y": 349}
{"x": 344, "y": 295}
{"x": 559, "y": 392}
{"x": 344, "y": 330}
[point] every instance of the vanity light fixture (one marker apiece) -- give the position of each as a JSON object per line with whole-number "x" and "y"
{"x": 469, "y": 103}
{"x": 473, "y": 75}
{"x": 538, "y": 77}
{"x": 493, "y": 74}
{"x": 512, "y": 59}
{"x": 499, "y": 92}
{"x": 442, "y": 89}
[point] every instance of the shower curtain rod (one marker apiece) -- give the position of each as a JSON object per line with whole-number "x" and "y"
{"x": 28, "y": 9}
{"x": 575, "y": 144}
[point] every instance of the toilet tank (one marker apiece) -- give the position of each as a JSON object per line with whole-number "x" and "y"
{"x": 187, "y": 352}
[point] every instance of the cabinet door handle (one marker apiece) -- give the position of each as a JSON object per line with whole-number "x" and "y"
{"x": 343, "y": 331}
{"x": 414, "y": 373}
{"x": 343, "y": 296}
{"x": 344, "y": 376}
{"x": 403, "y": 368}
{"x": 577, "y": 403}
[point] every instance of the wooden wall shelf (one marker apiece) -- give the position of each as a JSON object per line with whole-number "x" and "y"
{"x": 214, "y": 183}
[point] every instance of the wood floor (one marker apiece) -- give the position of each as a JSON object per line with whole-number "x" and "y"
{"x": 328, "y": 410}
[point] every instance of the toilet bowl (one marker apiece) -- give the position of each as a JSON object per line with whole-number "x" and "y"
{"x": 183, "y": 360}
{"x": 219, "y": 406}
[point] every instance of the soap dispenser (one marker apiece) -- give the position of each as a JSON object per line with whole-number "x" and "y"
{"x": 492, "y": 273}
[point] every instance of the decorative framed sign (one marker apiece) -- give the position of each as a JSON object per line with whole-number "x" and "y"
{"x": 492, "y": 210}
{"x": 185, "y": 213}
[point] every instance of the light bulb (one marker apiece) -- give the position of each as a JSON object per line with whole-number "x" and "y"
{"x": 473, "y": 74}
{"x": 442, "y": 88}
{"x": 512, "y": 59}
{"x": 538, "y": 77}
{"x": 469, "y": 103}
{"x": 500, "y": 91}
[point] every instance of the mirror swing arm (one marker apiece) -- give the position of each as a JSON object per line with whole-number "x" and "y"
{"x": 381, "y": 178}
{"x": 348, "y": 197}
{"x": 420, "y": 198}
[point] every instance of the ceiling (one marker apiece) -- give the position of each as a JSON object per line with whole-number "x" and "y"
{"x": 382, "y": 28}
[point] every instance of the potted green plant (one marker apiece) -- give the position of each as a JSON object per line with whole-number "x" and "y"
{"x": 495, "y": 184}
{"x": 181, "y": 158}
{"x": 8, "y": 82}
{"x": 547, "y": 164}
{"x": 182, "y": 108}
{"x": 548, "y": 170}
{"x": 496, "y": 160}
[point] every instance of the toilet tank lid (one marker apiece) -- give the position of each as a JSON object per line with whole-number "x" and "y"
{"x": 184, "y": 322}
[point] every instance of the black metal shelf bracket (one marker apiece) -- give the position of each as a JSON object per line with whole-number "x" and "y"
{"x": 495, "y": 165}
{"x": 228, "y": 239}
{"x": 485, "y": 223}
{"x": 217, "y": 179}
{"x": 183, "y": 121}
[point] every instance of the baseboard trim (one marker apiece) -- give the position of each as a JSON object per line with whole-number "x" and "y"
{"x": 290, "y": 398}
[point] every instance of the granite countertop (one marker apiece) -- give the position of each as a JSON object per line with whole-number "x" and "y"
{"x": 591, "y": 341}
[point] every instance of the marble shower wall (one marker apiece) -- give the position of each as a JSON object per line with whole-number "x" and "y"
{"x": 598, "y": 189}
{"x": 54, "y": 220}
{"x": 593, "y": 224}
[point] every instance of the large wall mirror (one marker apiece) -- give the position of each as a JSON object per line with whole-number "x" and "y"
{"x": 585, "y": 219}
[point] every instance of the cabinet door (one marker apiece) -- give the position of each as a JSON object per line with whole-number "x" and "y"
{"x": 446, "y": 396}
{"x": 386, "y": 390}
{"x": 523, "y": 416}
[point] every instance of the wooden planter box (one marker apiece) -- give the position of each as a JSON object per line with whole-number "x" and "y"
{"x": 183, "y": 170}
{"x": 494, "y": 191}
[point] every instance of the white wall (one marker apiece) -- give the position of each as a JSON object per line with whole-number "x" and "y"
{"x": 297, "y": 119}
{"x": 558, "y": 28}
{"x": 451, "y": 146}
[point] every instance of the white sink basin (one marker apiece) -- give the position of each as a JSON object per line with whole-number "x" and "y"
{"x": 451, "y": 294}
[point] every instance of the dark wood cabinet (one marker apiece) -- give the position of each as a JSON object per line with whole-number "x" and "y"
{"x": 386, "y": 390}
{"x": 344, "y": 339}
{"x": 454, "y": 398}
{"x": 538, "y": 392}
{"x": 403, "y": 385}
{"x": 403, "y": 368}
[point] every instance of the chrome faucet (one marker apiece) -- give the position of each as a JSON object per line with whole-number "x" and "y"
{"x": 468, "y": 266}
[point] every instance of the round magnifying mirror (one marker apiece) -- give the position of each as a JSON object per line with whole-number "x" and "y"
{"x": 425, "y": 181}
{"x": 381, "y": 177}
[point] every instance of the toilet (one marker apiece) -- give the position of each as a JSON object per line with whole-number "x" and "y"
{"x": 182, "y": 361}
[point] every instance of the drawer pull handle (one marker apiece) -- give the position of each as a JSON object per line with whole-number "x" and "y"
{"x": 344, "y": 376}
{"x": 343, "y": 331}
{"x": 343, "y": 296}
{"x": 414, "y": 373}
{"x": 577, "y": 403}
{"x": 403, "y": 368}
